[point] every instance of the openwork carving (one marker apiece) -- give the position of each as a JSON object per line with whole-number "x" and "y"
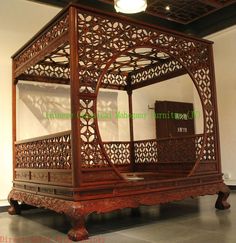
{"x": 59, "y": 28}
{"x": 179, "y": 150}
{"x": 145, "y": 151}
{"x": 209, "y": 150}
{"x": 156, "y": 71}
{"x": 54, "y": 68}
{"x": 118, "y": 152}
{"x": 114, "y": 79}
{"x": 59, "y": 57}
{"x": 48, "y": 153}
{"x": 136, "y": 59}
{"x": 102, "y": 38}
{"x": 137, "y": 56}
{"x": 173, "y": 150}
{"x": 91, "y": 154}
{"x": 111, "y": 50}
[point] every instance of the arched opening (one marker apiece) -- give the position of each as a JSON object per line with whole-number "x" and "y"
{"x": 151, "y": 128}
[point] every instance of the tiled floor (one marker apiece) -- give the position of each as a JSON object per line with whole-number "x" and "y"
{"x": 192, "y": 220}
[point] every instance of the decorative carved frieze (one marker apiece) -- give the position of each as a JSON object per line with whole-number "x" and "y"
{"x": 61, "y": 177}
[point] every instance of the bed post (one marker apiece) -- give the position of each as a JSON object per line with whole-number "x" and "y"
{"x": 131, "y": 124}
{"x": 78, "y": 231}
{"x": 15, "y": 207}
{"x": 74, "y": 93}
{"x": 14, "y": 82}
{"x": 224, "y": 191}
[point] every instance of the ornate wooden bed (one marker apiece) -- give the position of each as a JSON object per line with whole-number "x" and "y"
{"x": 74, "y": 172}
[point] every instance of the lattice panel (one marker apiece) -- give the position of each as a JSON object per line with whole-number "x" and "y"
{"x": 178, "y": 150}
{"x": 57, "y": 30}
{"x": 59, "y": 57}
{"x": 40, "y": 71}
{"x": 91, "y": 153}
{"x": 116, "y": 79}
{"x": 136, "y": 59}
{"x": 118, "y": 152}
{"x": 198, "y": 145}
{"x": 204, "y": 85}
{"x": 202, "y": 79}
{"x": 155, "y": 71}
{"x": 92, "y": 156}
{"x": 87, "y": 117}
{"x": 174, "y": 150}
{"x": 51, "y": 153}
{"x": 99, "y": 42}
{"x": 95, "y": 48}
{"x": 146, "y": 151}
{"x": 100, "y": 39}
{"x": 54, "y": 67}
{"x": 209, "y": 150}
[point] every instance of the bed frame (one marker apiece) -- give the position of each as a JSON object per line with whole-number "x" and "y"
{"x": 75, "y": 172}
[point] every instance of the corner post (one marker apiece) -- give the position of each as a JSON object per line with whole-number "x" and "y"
{"x": 131, "y": 124}
{"x": 213, "y": 83}
{"x": 13, "y": 118}
{"x": 74, "y": 95}
{"x": 14, "y": 206}
{"x": 224, "y": 192}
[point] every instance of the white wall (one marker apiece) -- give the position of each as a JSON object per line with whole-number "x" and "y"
{"x": 42, "y": 109}
{"x": 225, "y": 68}
{"x": 107, "y": 106}
{"x": 19, "y": 21}
{"x": 180, "y": 89}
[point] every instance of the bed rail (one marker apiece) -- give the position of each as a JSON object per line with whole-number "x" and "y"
{"x": 45, "y": 152}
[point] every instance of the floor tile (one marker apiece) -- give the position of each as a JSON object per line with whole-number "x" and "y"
{"x": 188, "y": 221}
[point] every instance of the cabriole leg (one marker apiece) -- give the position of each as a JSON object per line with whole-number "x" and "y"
{"x": 14, "y": 208}
{"x": 78, "y": 231}
{"x": 223, "y": 194}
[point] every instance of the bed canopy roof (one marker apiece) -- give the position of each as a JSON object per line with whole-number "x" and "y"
{"x": 137, "y": 55}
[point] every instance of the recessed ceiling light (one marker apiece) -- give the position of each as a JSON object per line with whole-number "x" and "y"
{"x": 130, "y": 6}
{"x": 167, "y": 8}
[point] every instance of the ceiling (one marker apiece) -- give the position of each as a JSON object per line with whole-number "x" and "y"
{"x": 194, "y": 17}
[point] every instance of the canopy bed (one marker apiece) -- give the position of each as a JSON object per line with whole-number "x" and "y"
{"x": 75, "y": 172}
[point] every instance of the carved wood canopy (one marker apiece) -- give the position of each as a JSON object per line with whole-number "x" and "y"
{"x": 47, "y": 57}
{"x": 89, "y": 49}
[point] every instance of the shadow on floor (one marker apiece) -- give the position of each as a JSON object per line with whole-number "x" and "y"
{"x": 117, "y": 220}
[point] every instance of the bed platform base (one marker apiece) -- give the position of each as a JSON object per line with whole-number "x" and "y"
{"x": 76, "y": 211}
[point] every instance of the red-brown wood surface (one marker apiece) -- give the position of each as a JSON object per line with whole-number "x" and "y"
{"x": 70, "y": 172}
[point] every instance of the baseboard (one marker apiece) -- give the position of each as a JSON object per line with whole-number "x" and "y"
{"x": 232, "y": 187}
{"x": 4, "y": 205}
{"x": 3, "y": 209}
